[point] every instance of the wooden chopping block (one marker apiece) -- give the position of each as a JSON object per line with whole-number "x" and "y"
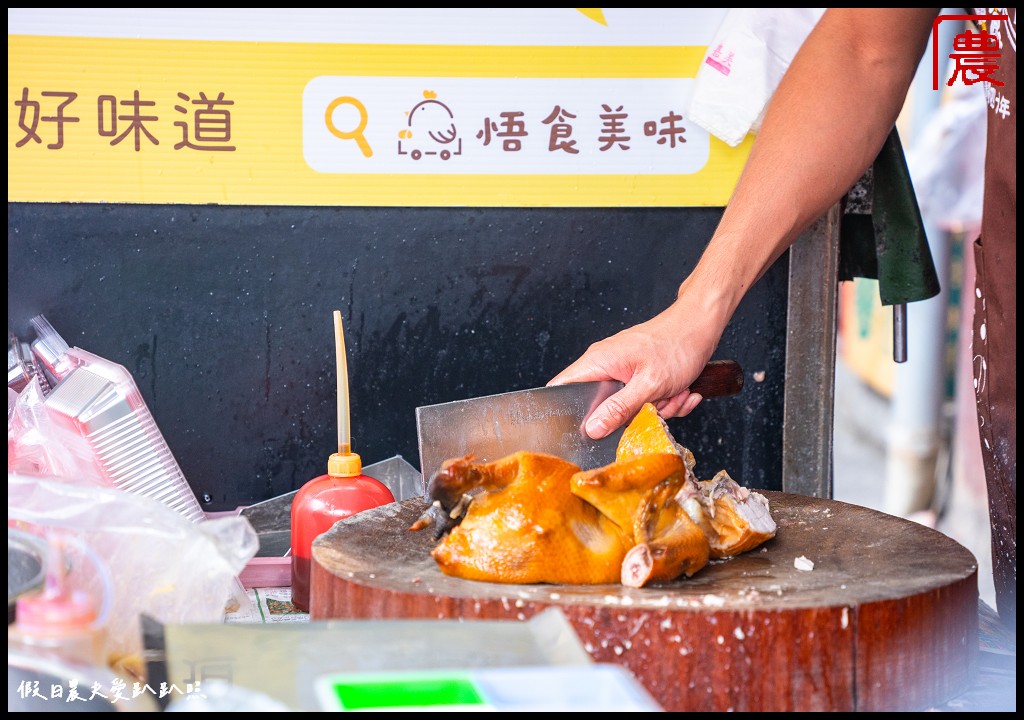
{"x": 887, "y": 619}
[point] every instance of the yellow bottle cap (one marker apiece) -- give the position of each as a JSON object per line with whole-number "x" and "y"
{"x": 347, "y": 465}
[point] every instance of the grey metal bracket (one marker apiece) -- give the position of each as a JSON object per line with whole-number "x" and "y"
{"x": 811, "y": 325}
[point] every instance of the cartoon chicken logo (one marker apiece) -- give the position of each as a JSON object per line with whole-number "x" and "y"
{"x": 431, "y": 125}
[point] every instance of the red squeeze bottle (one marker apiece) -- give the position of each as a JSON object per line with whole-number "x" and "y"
{"x": 323, "y": 501}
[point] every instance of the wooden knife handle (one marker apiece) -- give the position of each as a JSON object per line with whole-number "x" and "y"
{"x": 720, "y": 378}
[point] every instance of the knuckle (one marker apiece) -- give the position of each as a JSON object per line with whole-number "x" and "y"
{"x": 618, "y": 409}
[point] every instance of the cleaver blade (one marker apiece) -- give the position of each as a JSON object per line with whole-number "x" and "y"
{"x": 545, "y": 420}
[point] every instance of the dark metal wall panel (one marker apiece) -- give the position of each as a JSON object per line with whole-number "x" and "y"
{"x": 223, "y": 315}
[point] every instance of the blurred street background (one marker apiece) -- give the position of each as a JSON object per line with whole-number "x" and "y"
{"x": 959, "y": 510}
{"x": 906, "y": 439}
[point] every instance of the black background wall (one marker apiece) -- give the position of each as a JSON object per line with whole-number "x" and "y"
{"x": 224, "y": 317}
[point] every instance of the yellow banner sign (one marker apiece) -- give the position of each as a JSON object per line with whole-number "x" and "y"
{"x": 283, "y": 123}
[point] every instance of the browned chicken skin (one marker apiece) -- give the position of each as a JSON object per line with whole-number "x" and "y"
{"x": 531, "y": 517}
{"x": 526, "y": 526}
{"x": 668, "y": 542}
{"x": 620, "y": 489}
{"x": 740, "y": 519}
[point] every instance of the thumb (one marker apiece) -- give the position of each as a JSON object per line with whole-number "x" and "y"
{"x": 577, "y": 372}
{"x": 614, "y": 412}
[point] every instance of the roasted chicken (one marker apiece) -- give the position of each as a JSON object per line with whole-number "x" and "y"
{"x": 645, "y": 518}
{"x": 524, "y": 525}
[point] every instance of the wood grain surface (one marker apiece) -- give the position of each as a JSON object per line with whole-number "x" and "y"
{"x": 719, "y": 378}
{"x": 886, "y": 620}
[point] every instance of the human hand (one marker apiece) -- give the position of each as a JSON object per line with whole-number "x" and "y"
{"x": 657, "y": 360}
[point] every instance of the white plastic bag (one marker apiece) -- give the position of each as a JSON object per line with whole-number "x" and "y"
{"x": 947, "y": 161}
{"x": 743, "y": 65}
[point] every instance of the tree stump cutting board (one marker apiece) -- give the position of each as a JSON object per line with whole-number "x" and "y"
{"x": 887, "y": 619}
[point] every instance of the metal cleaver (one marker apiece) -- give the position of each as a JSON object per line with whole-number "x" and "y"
{"x": 547, "y": 420}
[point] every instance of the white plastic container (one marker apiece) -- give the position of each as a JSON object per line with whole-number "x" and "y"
{"x": 101, "y": 401}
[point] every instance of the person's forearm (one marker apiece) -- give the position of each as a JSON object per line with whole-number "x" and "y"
{"x": 824, "y": 126}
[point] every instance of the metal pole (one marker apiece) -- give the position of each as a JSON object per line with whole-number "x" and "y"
{"x": 899, "y": 332}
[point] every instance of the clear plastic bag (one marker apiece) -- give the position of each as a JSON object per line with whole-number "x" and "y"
{"x": 159, "y": 563}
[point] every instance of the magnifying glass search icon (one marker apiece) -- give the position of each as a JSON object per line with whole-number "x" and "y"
{"x": 355, "y": 134}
